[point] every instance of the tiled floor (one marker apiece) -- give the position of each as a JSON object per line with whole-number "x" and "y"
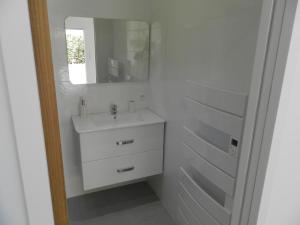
{"x": 129, "y": 205}
{"x": 148, "y": 214}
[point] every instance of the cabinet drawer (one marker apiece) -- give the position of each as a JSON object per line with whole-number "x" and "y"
{"x": 111, "y": 171}
{"x": 113, "y": 143}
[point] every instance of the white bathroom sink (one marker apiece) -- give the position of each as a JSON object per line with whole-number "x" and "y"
{"x": 105, "y": 121}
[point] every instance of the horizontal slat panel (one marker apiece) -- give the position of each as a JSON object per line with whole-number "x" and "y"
{"x": 228, "y": 101}
{"x": 228, "y": 123}
{"x": 208, "y": 170}
{"x": 217, "y": 138}
{"x": 198, "y": 211}
{"x": 213, "y": 207}
{"x": 186, "y": 214}
{"x": 211, "y": 153}
{"x": 181, "y": 218}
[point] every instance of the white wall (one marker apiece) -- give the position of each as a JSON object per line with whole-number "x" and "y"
{"x": 12, "y": 202}
{"x": 99, "y": 96}
{"x": 280, "y": 201}
{"x": 208, "y": 41}
{"x": 24, "y": 189}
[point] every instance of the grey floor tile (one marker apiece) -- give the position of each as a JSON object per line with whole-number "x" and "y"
{"x": 129, "y": 205}
{"x": 104, "y": 202}
{"x": 148, "y": 214}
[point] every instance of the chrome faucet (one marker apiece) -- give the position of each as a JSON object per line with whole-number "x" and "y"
{"x": 113, "y": 110}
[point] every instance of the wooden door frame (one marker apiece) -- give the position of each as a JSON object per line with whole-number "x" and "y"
{"x": 46, "y": 84}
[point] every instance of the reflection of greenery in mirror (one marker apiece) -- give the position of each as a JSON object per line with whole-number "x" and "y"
{"x": 75, "y": 46}
{"x": 76, "y": 56}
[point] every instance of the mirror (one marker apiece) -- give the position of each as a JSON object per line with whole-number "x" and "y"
{"x": 107, "y": 50}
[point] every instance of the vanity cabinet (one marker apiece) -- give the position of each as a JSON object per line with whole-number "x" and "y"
{"x": 118, "y": 142}
{"x": 116, "y": 170}
{"x": 122, "y": 151}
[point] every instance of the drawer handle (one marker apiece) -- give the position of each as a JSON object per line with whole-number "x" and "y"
{"x": 125, "y": 169}
{"x": 125, "y": 142}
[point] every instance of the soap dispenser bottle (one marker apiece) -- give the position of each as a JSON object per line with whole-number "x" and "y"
{"x": 83, "y": 107}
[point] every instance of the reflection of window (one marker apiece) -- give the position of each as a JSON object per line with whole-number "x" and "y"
{"x": 81, "y": 50}
{"x": 76, "y": 56}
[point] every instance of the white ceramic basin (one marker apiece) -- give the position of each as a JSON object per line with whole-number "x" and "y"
{"x": 105, "y": 121}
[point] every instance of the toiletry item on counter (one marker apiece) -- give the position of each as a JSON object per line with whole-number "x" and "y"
{"x": 131, "y": 106}
{"x": 83, "y": 107}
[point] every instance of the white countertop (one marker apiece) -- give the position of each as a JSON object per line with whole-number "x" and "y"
{"x": 105, "y": 121}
